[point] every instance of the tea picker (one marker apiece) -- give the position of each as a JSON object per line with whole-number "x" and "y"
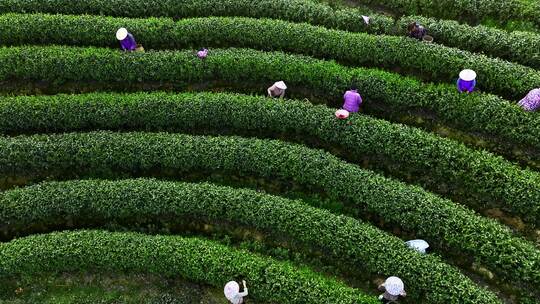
{"x": 277, "y": 89}
{"x": 233, "y": 294}
{"x": 352, "y": 100}
{"x": 127, "y": 41}
{"x": 393, "y": 288}
{"x": 416, "y": 30}
{"x": 531, "y": 102}
{"x": 466, "y": 81}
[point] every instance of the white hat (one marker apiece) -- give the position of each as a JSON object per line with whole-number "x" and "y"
{"x": 281, "y": 85}
{"x": 394, "y": 286}
{"x": 231, "y": 290}
{"x": 418, "y": 245}
{"x": 366, "y": 19}
{"x": 121, "y": 34}
{"x": 467, "y": 75}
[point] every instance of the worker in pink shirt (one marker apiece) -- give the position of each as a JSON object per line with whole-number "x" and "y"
{"x": 352, "y": 100}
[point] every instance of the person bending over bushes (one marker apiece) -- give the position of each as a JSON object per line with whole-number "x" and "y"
{"x": 393, "y": 288}
{"x": 416, "y": 31}
{"x": 233, "y": 293}
{"x": 531, "y": 102}
{"x": 352, "y": 100}
{"x": 277, "y": 90}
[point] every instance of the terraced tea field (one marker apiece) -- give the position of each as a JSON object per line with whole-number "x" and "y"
{"x": 158, "y": 175}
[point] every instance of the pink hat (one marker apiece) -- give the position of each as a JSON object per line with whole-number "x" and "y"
{"x": 342, "y": 114}
{"x": 202, "y": 53}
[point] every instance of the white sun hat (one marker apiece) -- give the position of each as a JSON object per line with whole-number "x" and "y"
{"x": 418, "y": 245}
{"x": 231, "y": 290}
{"x": 281, "y": 85}
{"x": 467, "y": 75}
{"x": 394, "y": 286}
{"x": 121, "y": 34}
{"x": 366, "y": 19}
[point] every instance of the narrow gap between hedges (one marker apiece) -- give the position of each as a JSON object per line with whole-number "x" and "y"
{"x": 101, "y": 287}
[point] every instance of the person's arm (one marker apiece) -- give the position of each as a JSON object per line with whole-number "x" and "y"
{"x": 403, "y": 294}
{"x": 245, "y": 292}
{"x": 381, "y": 287}
{"x": 282, "y": 94}
{"x": 270, "y": 91}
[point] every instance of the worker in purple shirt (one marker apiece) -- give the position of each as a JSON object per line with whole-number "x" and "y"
{"x": 352, "y": 100}
{"x": 531, "y": 102}
{"x": 466, "y": 81}
{"x": 127, "y": 41}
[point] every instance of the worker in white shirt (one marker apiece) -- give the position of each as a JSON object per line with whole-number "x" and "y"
{"x": 277, "y": 89}
{"x": 233, "y": 294}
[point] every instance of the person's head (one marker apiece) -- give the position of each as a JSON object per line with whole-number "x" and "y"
{"x": 412, "y": 26}
{"x": 354, "y": 87}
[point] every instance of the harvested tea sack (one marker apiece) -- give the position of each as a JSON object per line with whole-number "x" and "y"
{"x": 202, "y": 53}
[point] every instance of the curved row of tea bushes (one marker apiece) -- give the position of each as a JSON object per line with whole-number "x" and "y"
{"x": 448, "y": 226}
{"x": 517, "y": 46}
{"x": 520, "y": 47}
{"x": 481, "y": 113}
{"x": 345, "y": 239}
{"x": 191, "y": 258}
{"x": 432, "y": 61}
{"x": 490, "y": 181}
{"x": 466, "y": 10}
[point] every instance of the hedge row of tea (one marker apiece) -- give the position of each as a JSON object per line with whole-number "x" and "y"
{"x": 486, "y": 178}
{"x": 466, "y": 10}
{"x": 345, "y": 239}
{"x": 482, "y": 113}
{"x": 105, "y": 154}
{"x": 433, "y": 62}
{"x": 520, "y": 47}
{"x": 191, "y": 258}
{"x": 516, "y": 46}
